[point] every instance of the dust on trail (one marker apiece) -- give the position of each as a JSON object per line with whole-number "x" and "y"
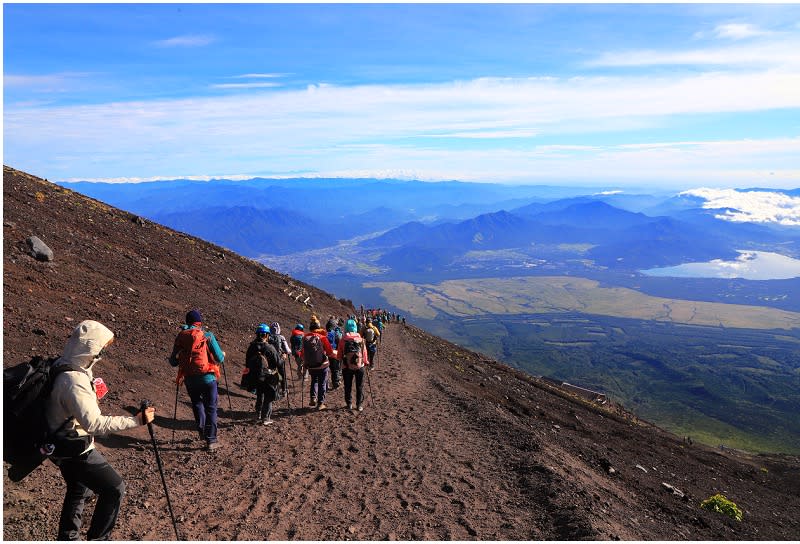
{"x": 408, "y": 467}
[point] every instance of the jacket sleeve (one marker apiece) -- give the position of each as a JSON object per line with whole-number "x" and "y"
{"x": 214, "y": 348}
{"x": 173, "y": 359}
{"x": 285, "y": 346}
{"x": 81, "y": 403}
{"x": 329, "y": 351}
{"x": 364, "y": 354}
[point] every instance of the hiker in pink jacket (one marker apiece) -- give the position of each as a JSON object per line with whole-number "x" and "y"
{"x": 354, "y": 356}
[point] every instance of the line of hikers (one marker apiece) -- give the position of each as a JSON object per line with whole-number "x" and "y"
{"x": 325, "y": 356}
{"x": 72, "y": 417}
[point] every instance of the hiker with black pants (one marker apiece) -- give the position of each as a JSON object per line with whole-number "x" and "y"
{"x": 353, "y": 352}
{"x": 316, "y": 354}
{"x": 268, "y": 373}
{"x": 74, "y": 418}
{"x": 197, "y": 355}
{"x": 370, "y": 333}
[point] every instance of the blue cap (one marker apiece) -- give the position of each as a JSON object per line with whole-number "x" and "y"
{"x": 262, "y": 329}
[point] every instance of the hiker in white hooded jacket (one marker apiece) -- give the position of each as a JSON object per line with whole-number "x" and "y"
{"x": 73, "y": 415}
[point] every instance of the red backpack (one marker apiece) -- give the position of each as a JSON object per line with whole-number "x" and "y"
{"x": 193, "y": 357}
{"x": 313, "y": 351}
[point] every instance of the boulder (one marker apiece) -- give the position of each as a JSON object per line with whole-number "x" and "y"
{"x": 39, "y": 250}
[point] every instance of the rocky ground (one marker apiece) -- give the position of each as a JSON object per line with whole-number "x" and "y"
{"x": 451, "y": 445}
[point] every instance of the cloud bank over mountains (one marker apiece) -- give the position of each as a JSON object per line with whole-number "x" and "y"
{"x": 751, "y": 206}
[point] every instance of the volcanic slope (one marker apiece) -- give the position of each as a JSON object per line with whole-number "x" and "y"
{"x": 451, "y": 445}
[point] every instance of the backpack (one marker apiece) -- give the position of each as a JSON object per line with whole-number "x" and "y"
{"x": 352, "y": 353}
{"x": 369, "y": 335}
{"x": 193, "y": 357}
{"x": 26, "y": 390}
{"x": 313, "y": 351}
{"x": 275, "y": 341}
{"x": 297, "y": 343}
{"x": 260, "y": 371}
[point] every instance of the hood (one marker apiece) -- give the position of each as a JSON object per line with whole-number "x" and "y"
{"x": 85, "y": 344}
{"x": 276, "y": 328}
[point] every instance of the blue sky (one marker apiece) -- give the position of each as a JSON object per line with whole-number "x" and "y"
{"x": 679, "y": 95}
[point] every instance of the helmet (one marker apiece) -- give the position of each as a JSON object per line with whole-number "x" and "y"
{"x": 262, "y": 329}
{"x": 299, "y": 326}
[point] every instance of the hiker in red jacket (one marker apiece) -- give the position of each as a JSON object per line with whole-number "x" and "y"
{"x": 315, "y": 352}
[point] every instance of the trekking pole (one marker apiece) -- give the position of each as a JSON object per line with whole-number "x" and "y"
{"x": 146, "y": 404}
{"x": 227, "y": 389}
{"x": 175, "y": 417}
{"x": 369, "y": 383}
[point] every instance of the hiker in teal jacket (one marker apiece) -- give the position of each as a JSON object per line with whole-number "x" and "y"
{"x": 197, "y": 355}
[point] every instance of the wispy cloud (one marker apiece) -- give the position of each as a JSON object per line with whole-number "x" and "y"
{"x": 53, "y": 83}
{"x": 260, "y": 85}
{"x": 778, "y": 53}
{"x": 739, "y": 31}
{"x": 489, "y": 134}
{"x": 187, "y": 40}
{"x": 379, "y": 128}
{"x": 259, "y": 76}
{"x": 751, "y": 206}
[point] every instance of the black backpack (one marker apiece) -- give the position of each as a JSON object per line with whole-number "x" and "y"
{"x": 352, "y": 352}
{"x": 26, "y": 390}
{"x": 260, "y": 370}
{"x": 275, "y": 341}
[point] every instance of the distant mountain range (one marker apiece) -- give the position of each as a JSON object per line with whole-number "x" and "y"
{"x": 412, "y": 226}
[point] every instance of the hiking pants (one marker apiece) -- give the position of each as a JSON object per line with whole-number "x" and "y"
{"x": 336, "y": 373}
{"x": 372, "y": 349}
{"x": 348, "y": 385}
{"x": 319, "y": 379}
{"x": 84, "y": 475}
{"x": 204, "y": 405}
{"x": 265, "y": 394}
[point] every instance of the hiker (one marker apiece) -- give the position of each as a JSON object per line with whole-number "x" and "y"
{"x": 73, "y": 417}
{"x": 334, "y": 334}
{"x": 316, "y": 353}
{"x": 379, "y": 325}
{"x": 268, "y": 373}
{"x": 370, "y": 333}
{"x": 197, "y": 355}
{"x": 353, "y": 353}
{"x": 278, "y": 341}
{"x": 296, "y": 344}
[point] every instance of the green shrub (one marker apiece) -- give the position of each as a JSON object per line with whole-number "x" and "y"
{"x": 719, "y": 503}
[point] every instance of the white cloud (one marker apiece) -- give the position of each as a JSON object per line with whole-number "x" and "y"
{"x": 779, "y": 52}
{"x": 261, "y": 85}
{"x": 47, "y": 83}
{"x": 188, "y": 40}
{"x": 259, "y": 76}
{"x": 751, "y": 206}
{"x": 489, "y": 134}
{"x": 378, "y": 128}
{"x": 739, "y": 31}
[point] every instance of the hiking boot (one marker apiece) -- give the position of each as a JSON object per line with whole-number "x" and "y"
{"x": 360, "y": 408}
{"x": 349, "y": 405}
{"x": 213, "y": 446}
{"x": 321, "y": 406}
{"x": 267, "y": 422}
{"x": 312, "y": 402}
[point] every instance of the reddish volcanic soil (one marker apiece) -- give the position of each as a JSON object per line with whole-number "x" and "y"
{"x": 451, "y": 445}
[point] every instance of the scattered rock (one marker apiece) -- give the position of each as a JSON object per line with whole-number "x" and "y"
{"x": 640, "y": 467}
{"x": 447, "y": 488}
{"x": 39, "y": 250}
{"x": 674, "y": 490}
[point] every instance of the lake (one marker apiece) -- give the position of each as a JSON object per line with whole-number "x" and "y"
{"x": 750, "y": 265}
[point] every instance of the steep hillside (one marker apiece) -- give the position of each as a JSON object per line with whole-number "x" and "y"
{"x": 452, "y": 445}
